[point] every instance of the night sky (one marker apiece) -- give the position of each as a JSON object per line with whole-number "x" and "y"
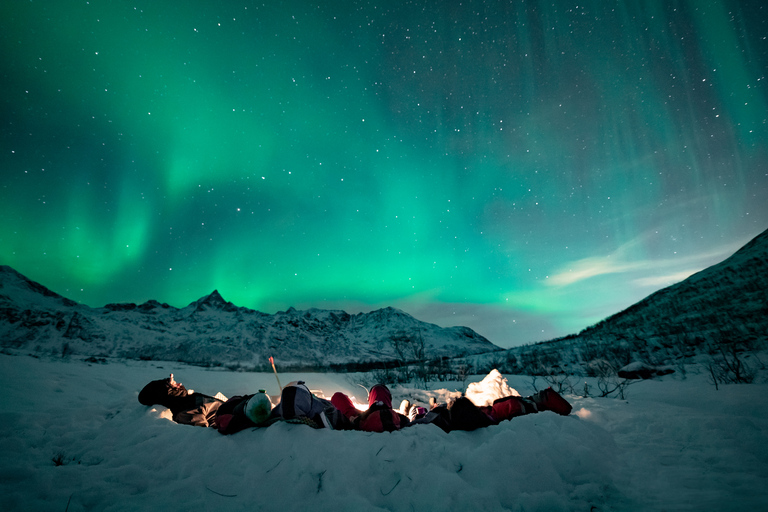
{"x": 522, "y": 168}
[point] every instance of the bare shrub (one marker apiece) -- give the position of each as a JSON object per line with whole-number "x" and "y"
{"x": 727, "y": 366}
{"x": 608, "y": 380}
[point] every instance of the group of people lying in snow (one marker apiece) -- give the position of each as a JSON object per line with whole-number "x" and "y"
{"x": 298, "y": 404}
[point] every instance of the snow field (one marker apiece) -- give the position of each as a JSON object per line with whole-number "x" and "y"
{"x": 73, "y": 437}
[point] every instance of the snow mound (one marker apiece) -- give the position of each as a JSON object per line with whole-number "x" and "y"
{"x": 492, "y": 387}
{"x": 74, "y": 437}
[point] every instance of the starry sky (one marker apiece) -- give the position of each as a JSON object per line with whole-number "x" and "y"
{"x": 524, "y": 168}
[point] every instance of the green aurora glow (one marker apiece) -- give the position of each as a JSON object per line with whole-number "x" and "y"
{"x": 523, "y": 168}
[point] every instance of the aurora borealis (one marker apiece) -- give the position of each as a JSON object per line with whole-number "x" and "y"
{"x": 524, "y": 168}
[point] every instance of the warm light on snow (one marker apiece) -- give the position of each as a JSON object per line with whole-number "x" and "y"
{"x": 162, "y": 412}
{"x": 584, "y": 414}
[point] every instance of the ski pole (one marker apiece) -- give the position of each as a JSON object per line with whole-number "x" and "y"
{"x": 271, "y": 360}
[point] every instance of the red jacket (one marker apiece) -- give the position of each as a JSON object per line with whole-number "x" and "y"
{"x": 380, "y": 417}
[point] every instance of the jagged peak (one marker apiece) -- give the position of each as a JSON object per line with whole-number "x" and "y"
{"x": 213, "y": 298}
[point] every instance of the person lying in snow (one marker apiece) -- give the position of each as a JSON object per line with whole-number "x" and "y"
{"x": 297, "y": 404}
{"x": 463, "y": 414}
{"x": 241, "y": 412}
{"x": 188, "y": 408}
{"x": 379, "y": 417}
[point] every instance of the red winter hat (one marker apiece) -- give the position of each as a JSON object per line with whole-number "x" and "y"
{"x": 380, "y": 393}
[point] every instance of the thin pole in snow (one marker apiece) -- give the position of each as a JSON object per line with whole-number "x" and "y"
{"x": 271, "y": 360}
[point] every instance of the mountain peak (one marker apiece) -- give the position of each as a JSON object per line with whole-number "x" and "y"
{"x": 389, "y": 311}
{"x": 12, "y": 278}
{"x": 213, "y": 331}
{"x": 213, "y": 298}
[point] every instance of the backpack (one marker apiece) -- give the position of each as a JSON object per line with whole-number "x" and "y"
{"x": 299, "y": 405}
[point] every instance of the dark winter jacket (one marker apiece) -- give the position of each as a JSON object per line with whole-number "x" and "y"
{"x": 187, "y": 408}
{"x": 231, "y": 418}
{"x": 462, "y": 414}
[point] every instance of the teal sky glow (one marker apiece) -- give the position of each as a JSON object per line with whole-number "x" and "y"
{"x": 522, "y": 168}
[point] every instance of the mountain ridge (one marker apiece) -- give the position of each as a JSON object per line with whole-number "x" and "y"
{"x": 724, "y": 305}
{"x": 722, "y": 308}
{"x": 214, "y": 331}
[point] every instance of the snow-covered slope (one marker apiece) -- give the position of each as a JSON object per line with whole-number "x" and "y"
{"x": 728, "y": 299}
{"x": 212, "y": 331}
{"x": 725, "y": 305}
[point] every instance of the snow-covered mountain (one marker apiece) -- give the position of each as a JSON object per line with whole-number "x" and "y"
{"x": 214, "y": 331}
{"x": 724, "y": 306}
